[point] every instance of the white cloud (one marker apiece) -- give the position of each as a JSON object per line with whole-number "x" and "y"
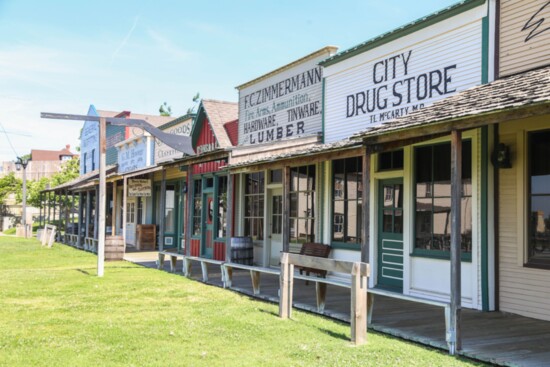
{"x": 169, "y": 47}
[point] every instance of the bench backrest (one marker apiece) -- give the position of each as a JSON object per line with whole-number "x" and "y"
{"x": 315, "y": 249}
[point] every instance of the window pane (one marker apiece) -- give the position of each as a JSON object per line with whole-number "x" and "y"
{"x": 398, "y": 196}
{"x": 442, "y": 162}
{"x": 398, "y": 221}
{"x": 442, "y": 216}
{"x": 276, "y": 176}
{"x": 387, "y": 221}
{"x": 423, "y": 164}
{"x": 353, "y": 180}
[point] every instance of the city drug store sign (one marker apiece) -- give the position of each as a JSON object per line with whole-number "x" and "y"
{"x": 388, "y": 82}
{"x": 283, "y": 106}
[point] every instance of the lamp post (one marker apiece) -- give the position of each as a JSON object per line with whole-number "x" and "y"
{"x": 22, "y": 163}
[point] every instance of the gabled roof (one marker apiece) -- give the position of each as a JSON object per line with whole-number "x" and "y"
{"x": 218, "y": 113}
{"x": 50, "y": 155}
{"x": 521, "y": 90}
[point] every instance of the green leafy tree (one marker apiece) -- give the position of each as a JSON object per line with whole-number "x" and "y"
{"x": 165, "y": 110}
{"x": 196, "y": 100}
{"x": 9, "y": 184}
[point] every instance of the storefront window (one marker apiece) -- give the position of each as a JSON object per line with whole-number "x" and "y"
{"x": 432, "y": 168}
{"x": 221, "y": 220}
{"x": 169, "y": 210}
{"x": 197, "y": 204}
{"x": 254, "y": 205}
{"x": 539, "y": 199}
{"x": 347, "y": 192}
{"x": 302, "y": 204}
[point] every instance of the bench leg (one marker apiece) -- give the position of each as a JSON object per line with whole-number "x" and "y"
{"x": 255, "y": 276}
{"x": 173, "y": 263}
{"x": 370, "y": 306}
{"x": 321, "y": 292}
{"x": 204, "y": 268}
{"x": 187, "y": 267}
{"x": 228, "y": 276}
{"x": 160, "y": 263}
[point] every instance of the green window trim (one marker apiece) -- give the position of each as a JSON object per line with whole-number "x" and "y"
{"x": 346, "y": 246}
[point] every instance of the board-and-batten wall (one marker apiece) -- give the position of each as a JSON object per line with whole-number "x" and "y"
{"x": 524, "y": 291}
{"x": 523, "y": 45}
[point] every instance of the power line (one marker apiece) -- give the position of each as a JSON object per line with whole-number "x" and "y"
{"x": 9, "y": 141}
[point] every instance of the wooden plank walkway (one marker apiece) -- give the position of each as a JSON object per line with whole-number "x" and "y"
{"x": 494, "y": 337}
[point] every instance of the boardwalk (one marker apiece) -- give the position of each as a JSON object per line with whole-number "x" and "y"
{"x": 495, "y": 337}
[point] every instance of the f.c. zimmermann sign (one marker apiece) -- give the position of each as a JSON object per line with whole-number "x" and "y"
{"x": 285, "y": 105}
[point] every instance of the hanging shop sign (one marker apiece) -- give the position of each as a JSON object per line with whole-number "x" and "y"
{"x": 139, "y": 187}
{"x": 165, "y": 153}
{"x": 286, "y": 105}
{"x": 403, "y": 76}
{"x": 132, "y": 156}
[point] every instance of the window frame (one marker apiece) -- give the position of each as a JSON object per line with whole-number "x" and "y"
{"x": 346, "y": 244}
{"x": 439, "y": 254}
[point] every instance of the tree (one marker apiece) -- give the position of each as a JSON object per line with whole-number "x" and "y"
{"x": 196, "y": 100}
{"x": 9, "y": 184}
{"x": 165, "y": 110}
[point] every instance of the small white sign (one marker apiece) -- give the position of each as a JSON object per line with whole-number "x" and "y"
{"x": 139, "y": 187}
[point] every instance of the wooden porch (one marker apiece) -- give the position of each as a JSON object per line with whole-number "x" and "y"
{"x": 493, "y": 337}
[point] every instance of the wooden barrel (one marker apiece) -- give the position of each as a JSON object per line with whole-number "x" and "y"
{"x": 114, "y": 248}
{"x": 242, "y": 250}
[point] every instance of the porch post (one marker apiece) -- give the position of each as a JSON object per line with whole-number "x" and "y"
{"x": 454, "y": 333}
{"x": 114, "y": 210}
{"x": 80, "y": 211}
{"x": 102, "y": 199}
{"x": 162, "y": 209}
{"x": 40, "y": 213}
{"x": 88, "y": 212}
{"x": 124, "y": 206}
{"x": 66, "y": 210}
{"x": 365, "y": 210}
{"x": 229, "y": 223}
{"x": 47, "y": 221}
{"x": 190, "y": 211}
{"x": 54, "y": 206}
{"x": 72, "y": 212}
{"x": 96, "y": 219}
{"x": 286, "y": 209}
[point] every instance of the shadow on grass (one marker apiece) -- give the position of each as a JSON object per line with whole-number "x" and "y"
{"x": 273, "y": 313}
{"x": 341, "y": 336}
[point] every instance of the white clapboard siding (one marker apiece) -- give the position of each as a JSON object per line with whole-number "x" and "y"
{"x": 524, "y": 291}
{"x": 456, "y": 41}
{"x": 516, "y": 53}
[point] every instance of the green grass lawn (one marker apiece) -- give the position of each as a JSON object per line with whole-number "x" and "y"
{"x": 54, "y": 311}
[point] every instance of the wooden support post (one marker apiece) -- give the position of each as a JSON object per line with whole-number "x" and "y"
{"x": 365, "y": 210}
{"x": 228, "y": 277}
{"x": 40, "y": 210}
{"x": 80, "y": 212}
{"x": 124, "y": 205}
{"x": 190, "y": 211}
{"x": 66, "y": 210}
{"x": 114, "y": 210}
{"x": 370, "y": 307}
{"x": 204, "y": 269}
{"x": 96, "y": 217}
{"x": 358, "y": 306}
{"x": 285, "y": 289}
{"x": 255, "y": 276}
{"x": 173, "y": 263}
{"x": 102, "y": 199}
{"x": 160, "y": 264}
{"x": 454, "y": 332}
{"x": 229, "y": 229}
{"x": 286, "y": 209}
{"x": 321, "y": 293}
{"x": 88, "y": 212}
{"x": 187, "y": 267}
{"x": 162, "y": 209}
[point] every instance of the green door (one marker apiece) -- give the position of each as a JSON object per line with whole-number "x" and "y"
{"x": 208, "y": 220}
{"x": 390, "y": 235}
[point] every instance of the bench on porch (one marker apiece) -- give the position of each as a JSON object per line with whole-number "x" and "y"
{"x": 204, "y": 262}
{"x": 90, "y": 244}
{"x": 316, "y": 250}
{"x": 255, "y": 271}
{"x": 174, "y": 256}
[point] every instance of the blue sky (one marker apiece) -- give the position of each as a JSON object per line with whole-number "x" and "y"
{"x": 62, "y": 56}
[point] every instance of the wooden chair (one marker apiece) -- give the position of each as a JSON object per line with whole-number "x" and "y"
{"x": 317, "y": 250}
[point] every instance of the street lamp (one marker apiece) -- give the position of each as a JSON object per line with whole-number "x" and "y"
{"x": 22, "y": 163}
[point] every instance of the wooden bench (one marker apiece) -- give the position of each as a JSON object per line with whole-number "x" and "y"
{"x": 204, "y": 262}
{"x": 90, "y": 244}
{"x": 48, "y": 235}
{"x": 255, "y": 272}
{"x": 174, "y": 256}
{"x": 315, "y": 250}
